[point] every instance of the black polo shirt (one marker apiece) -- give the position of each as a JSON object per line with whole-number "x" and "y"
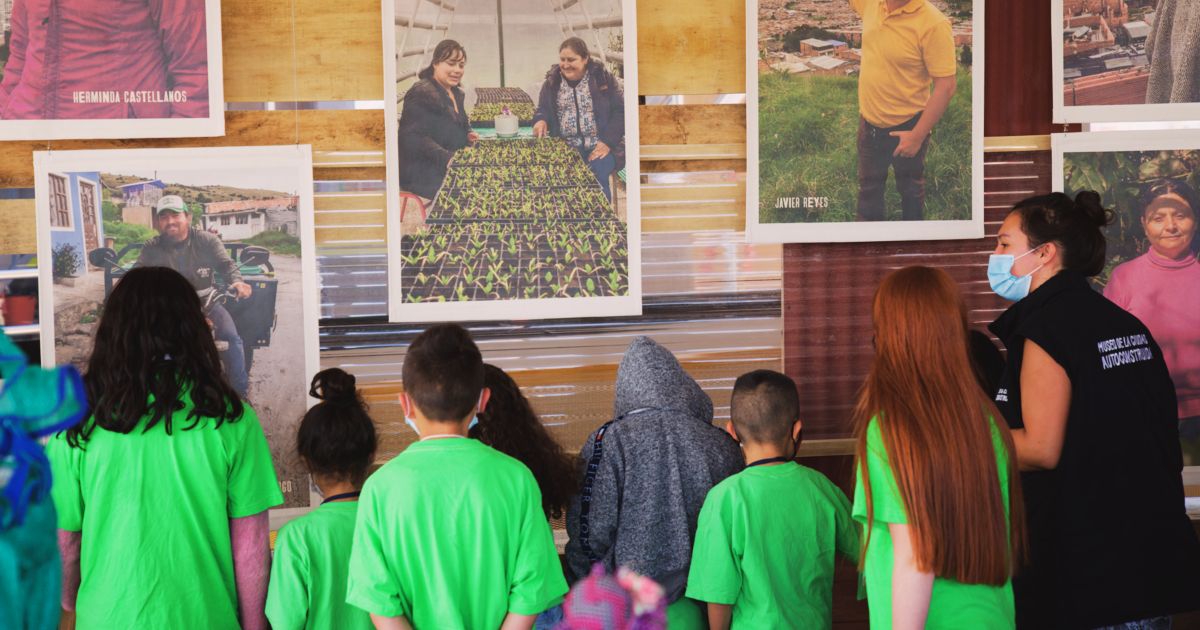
{"x": 1109, "y": 538}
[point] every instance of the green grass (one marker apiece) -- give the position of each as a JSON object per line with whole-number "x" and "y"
{"x": 277, "y": 242}
{"x": 125, "y": 233}
{"x": 808, "y": 132}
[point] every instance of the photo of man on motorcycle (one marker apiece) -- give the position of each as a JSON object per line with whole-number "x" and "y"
{"x": 200, "y": 257}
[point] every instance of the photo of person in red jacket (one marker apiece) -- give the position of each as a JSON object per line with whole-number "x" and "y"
{"x": 104, "y": 59}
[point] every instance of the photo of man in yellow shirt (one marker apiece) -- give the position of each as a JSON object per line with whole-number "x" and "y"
{"x": 907, "y": 47}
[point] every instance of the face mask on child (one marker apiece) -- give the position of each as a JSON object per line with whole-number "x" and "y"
{"x": 412, "y": 424}
{"x": 1003, "y": 282}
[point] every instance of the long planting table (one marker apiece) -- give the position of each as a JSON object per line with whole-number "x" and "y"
{"x": 517, "y": 219}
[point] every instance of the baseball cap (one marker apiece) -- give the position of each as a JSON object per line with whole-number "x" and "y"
{"x": 170, "y": 203}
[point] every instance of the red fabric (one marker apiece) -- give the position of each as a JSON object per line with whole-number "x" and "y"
{"x": 132, "y": 48}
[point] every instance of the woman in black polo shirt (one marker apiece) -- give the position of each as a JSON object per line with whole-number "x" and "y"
{"x": 1093, "y": 412}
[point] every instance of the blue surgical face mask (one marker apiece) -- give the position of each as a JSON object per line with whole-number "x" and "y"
{"x": 1004, "y": 283}
{"x": 412, "y": 424}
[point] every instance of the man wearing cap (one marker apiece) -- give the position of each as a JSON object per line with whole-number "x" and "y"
{"x": 199, "y": 255}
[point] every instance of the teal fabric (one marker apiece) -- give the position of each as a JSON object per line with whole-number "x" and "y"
{"x": 34, "y": 402}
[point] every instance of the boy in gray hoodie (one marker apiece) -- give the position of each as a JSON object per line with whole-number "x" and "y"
{"x": 645, "y": 476}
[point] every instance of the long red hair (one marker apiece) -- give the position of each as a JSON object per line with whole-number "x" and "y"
{"x": 936, "y": 425}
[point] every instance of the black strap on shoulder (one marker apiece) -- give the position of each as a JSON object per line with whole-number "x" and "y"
{"x": 585, "y": 494}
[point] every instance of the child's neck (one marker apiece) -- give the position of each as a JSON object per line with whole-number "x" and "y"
{"x": 755, "y": 452}
{"x": 335, "y": 488}
{"x": 440, "y": 429}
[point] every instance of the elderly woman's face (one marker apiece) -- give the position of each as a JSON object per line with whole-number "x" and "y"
{"x": 571, "y": 64}
{"x": 450, "y": 72}
{"x": 1170, "y": 224}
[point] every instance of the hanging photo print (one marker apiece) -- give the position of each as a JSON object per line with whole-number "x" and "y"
{"x": 864, "y": 122}
{"x": 1150, "y": 182}
{"x": 512, "y": 159}
{"x": 1125, "y": 60}
{"x": 247, "y": 211}
{"x": 110, "y": 69}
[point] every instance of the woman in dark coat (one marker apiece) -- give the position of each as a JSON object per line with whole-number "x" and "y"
{"x": 433, "y": 124}
{"x": 582, "y": 103}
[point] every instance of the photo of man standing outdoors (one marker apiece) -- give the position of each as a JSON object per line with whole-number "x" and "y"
{"x": 907, "y": 80}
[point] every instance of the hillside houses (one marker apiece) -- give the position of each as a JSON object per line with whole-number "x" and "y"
{"x": 242, "y": 219}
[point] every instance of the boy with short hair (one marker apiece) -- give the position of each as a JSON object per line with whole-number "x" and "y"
{"x": 451, "y": 533}
{"x": 765, "y": 545}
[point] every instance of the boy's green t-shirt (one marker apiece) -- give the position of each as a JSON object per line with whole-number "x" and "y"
{"x": 766, "y": 543}
{"x": 451, "y": 534}
{"x": 952, "y": 605}
{"x": 309, "y": 572}
{"x": 154, "y": 514}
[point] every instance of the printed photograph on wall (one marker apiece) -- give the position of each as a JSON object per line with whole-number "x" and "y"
{"x": 512, "y": 159}
{"x": 1125, "y": 60}
{"x": 864, "y": 123}
{"x": 110, "y": 69}
{"x": 236, "y": 222}
{"x": 1150, "y": 182}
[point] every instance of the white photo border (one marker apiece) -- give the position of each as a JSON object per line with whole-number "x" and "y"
{"x": 864, "y": 231}
{"x": 1133, "y": 112}
{"x": 516, "y": 309}
{"x": 122, "y": 128}
{"x": 300, "y": 156}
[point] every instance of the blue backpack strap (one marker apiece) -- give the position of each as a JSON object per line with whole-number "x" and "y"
{"x": 585, "y": 494}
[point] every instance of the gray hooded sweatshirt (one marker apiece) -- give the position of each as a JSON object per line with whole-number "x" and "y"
{"x": 658, "y": 459}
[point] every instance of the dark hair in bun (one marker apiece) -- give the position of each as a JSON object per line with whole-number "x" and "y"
{"x": 336, "y": 437}
{"x": 1073, "y": 225}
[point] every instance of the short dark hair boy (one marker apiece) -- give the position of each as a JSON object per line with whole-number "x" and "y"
{"x": 736, "y": 566}
{"x": 451, "y": 494}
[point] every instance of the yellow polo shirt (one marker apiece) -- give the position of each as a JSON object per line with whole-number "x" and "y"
{"x": 902, "y": 51}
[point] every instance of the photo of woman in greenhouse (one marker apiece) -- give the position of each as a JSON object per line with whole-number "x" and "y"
{"x": 589, "y": 115}
{"x": 512, "y": 188}
{"x": 434, "y": 122}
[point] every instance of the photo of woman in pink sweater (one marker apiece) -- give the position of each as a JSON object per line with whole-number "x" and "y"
{"x": 1162, "y": 288}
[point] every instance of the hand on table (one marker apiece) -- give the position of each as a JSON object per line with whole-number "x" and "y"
{"x": 540, "y": 129}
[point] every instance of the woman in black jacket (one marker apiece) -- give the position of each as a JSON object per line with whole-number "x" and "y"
{"x": 433, "y": 123}
{"x": 582, "y": 103}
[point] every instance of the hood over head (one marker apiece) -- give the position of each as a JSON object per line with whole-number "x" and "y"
{"x": 650, "y": 376}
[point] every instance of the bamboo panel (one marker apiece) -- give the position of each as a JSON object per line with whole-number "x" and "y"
{"x": 692, "y": 46}
{"x": 329, "y": 131}
{"x": 351, "y": 218}
{"x": 719, "y": 215}
{"x": 692, "y": 124}
{"x": 333, "y": 235}
{"x": 19, "y": 232}
{"x": 349, "y": 201}
{"x": 692, "y": 166}
{"x": 339, "y": 50}
{"x": 724, "y": 191}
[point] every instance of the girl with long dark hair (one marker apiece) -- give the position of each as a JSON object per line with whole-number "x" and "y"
{"x": 509, "y": 425}
{"x": 937, "y": 484}
{"x": 162, "y": 491}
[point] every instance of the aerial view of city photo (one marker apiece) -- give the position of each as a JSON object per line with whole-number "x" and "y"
{"x": 1105, "y": 60}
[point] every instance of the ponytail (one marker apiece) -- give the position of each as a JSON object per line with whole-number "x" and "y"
{"x": 1075, "y": 226}
{"x": 337, "y": 437}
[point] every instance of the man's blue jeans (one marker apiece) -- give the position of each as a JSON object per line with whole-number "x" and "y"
{"x": 234, "y": 359}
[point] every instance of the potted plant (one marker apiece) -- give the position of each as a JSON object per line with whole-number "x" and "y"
{"x": 20, "y": 302}
{"x": 65, "y": 261}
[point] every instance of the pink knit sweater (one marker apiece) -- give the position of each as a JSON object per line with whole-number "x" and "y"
{"x": 1165, "y": 295}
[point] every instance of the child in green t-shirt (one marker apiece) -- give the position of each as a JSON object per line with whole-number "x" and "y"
{"x": 336, "y": 441}
{"x": 451, "y": 533}
{"x": 767, "y": 537}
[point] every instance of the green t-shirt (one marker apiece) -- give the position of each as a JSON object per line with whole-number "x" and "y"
{"x": 766, "y": 543}
{"x": 451, "y": 534}
{"x": 309, "y": 572}
{"x": 952, "y": 605}
{"x": 154, "y": 511}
